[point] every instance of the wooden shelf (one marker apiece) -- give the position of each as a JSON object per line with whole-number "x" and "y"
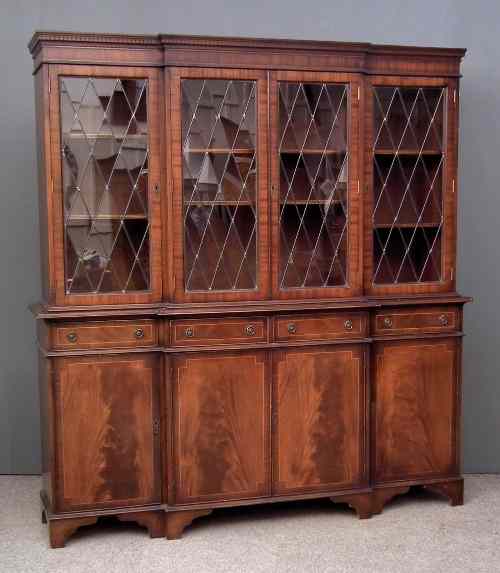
{"x": 310, "y": 202}
{"x": 228, "y": 203}
{"x": 221, "y": 150}
{"x": 107, "y": 136}
{"x": 409, "y": 152}
{"x": 406, "y": 225}
{"x": 312, "y": 151}
{"x": 75, "y": 219}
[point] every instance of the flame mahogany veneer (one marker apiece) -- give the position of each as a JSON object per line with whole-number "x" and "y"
{"x": 160, "y": 405}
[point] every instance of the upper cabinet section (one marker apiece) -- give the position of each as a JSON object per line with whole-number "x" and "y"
{"x": 411, "y": 167}
{"x": 193, "y": 169}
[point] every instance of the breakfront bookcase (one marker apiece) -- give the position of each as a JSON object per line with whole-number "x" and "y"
{"x": 248, "y": 266}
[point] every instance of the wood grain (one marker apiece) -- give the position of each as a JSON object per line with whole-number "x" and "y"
{"x": 106, "y": 447}
{"x": 221, "y": 417}
{"x": 415, "y": 411}
{"x": 319, "y": 419}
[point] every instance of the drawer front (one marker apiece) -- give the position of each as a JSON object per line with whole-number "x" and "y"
{"x": 321, "y": 326}
{"x": 109, "y": 334}
{"x": 422, "y": 320}
{"x": 201, "y": 332}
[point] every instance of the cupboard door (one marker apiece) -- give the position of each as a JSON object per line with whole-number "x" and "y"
{"x": 107, "y": 431}
{"x": 106, "y": 142}
{"x": 411, "y": 170}
{"x": 416, "y": 409}
{"x": 219, "y": 150}
{"x": 221, "y": 426}
{"x": 320, "y": 421}
{"x": 316, "y": 201}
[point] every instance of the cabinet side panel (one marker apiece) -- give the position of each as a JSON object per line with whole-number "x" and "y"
{"x": 45, "y": 381}
{"x": 319, "y": 404}
{"x": 106, "y": 443}
{"x": 45, "y": 210}
{"x": 416, "y": 409}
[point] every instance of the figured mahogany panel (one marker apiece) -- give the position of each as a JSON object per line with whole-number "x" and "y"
{"x": 416, "y": 409}
{"x": 321, "y": 326}
{"x": 410, "y": 321}
{"x": 105, "y": 334}
{"x": 219, "y": 331}
{"x": 107, "y": 442}
{"x": 320, "y": 419}
{"x": 221, "y": 426}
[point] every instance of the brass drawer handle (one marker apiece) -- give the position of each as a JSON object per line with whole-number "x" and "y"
{"x": 72, "y": 336}
{"x": 443, "y": 320}
{"x": 139, "y": 333}
{"x": 348, "y": 324}
{"x": 250, "y": 330}
{"x": 189, "y": 332}
{"x": 388, "y": 322}
{"x": 292, "y": 328}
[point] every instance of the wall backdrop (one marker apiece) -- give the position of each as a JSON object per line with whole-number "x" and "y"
{"x": 427, "y": 22}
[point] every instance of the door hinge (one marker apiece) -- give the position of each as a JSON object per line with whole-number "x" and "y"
{"x": 453, "y": 185}
{"x": 359, "y": 93}
{"x": 156, "y": 426}
{"x": 358, "y": 186}
{"x": 50, "y": 84}
{"x": 454, "y": 95}
{"x": 451, "y": 273}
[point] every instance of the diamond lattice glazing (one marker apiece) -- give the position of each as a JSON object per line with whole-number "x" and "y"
{"x": 313, "y": 156}
{"x": 408, "y": 162}
{"x": 104, "y": 139}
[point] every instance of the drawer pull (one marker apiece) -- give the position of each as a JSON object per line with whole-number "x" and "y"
{"x": 72, "y": 336}
{"x": 250, "y": 330}
{"x": 139, "y": 333}
{"x": 443, "y": 320}
{"x": 348, "y": 324}
{"x": 189, "y": 332}
{"x": 388, "y": 322}
{"x": 292, "y": 328}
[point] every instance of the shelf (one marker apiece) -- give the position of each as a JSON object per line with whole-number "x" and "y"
{"x": 313, "y": 151}
{"x": 107, "y": 136}
{"x": 228, "y": 203}
{"x": 221, "y": 151}
{"x": 409, "y": 152}
{"x": 406, "y": 225}
{"x": 310, "y": 202}
{"x": 75, "y": 219}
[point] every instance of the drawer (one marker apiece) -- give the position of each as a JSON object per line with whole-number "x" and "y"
{"x": 109, "y": 334}
{"x": 201, "y": 332}
{"x": 414, "y": 321}
{"x": 321, "y": 326}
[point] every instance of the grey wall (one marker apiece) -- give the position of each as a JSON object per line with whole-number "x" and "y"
{"x": 426, "y": 22}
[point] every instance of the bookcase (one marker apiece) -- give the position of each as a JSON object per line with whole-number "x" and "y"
{"x": 248, "y": 256}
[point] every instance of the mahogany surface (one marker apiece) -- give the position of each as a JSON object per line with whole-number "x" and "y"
{"x": 159, "y": 405}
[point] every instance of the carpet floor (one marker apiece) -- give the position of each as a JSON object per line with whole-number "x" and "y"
{"x": 419, "y": 532}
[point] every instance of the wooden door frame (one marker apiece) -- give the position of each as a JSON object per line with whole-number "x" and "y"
{"x": 58, "y": 231}
{"x": 449, "y": 187}
{"x": 355, "y": 205}
{"x": 262, "y": 241}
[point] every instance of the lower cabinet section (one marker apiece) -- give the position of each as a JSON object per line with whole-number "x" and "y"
{"x": 106, "y": 420}
{"x": 221, "y": 426}
{"x": 417, "y": 409}
{"x": 319, "y": 415}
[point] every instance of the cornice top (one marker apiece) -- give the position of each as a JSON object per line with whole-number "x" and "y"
{"x": 185, "y": 41}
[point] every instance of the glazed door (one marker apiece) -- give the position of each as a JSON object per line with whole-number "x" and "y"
{"x": 107, "y": 431}
{"x": 106, "y": 177}
{"x": 221, "y": 426}
{"x": 416, "y": 415}
{"x": 218, "y": 121}
{"x": 320, "y": 419}
{"x": 315, "y": 184}
{"x": 411, "y": 159}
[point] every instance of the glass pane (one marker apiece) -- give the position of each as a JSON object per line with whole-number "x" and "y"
{"x": 219, "y": 184}
{"x": 408, "y": 159}
{"x": 104, "y": 138}
{"x": 313, "y": 157}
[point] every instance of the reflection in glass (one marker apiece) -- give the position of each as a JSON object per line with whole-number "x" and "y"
{"x": 313, "y": 156}
{"x": 219, "y": 184}
{"x": 104, "y": 141}
{"x": 408, "y": 160}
